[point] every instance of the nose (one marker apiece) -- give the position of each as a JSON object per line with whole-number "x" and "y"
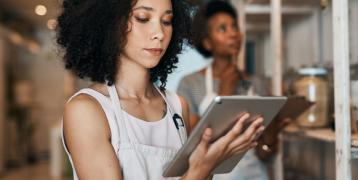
{"x": 157, "y": 31}
{"x": 233, "y": 32}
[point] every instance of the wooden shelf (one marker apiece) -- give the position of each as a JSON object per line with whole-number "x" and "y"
{"x": 324, "y": 134}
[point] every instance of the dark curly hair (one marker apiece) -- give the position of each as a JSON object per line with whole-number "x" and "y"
{"x": 92, "y": 34}
{"x": 200, "y": 22}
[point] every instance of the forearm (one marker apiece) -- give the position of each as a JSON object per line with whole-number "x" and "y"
{"x": 197, "y": 174}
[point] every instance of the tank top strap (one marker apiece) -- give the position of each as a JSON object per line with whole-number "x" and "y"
{"x": 108, "y": 109}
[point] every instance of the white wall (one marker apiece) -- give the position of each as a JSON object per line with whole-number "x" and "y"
{"x": 300, "y": 44}
{"x": 189, "y": 61}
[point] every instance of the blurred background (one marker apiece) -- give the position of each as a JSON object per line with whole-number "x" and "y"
{"x": 34, "y": 85}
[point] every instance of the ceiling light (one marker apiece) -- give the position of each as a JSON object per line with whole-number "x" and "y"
{"x": 40, "y": 10}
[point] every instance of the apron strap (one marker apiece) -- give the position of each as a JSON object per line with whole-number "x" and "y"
{"x": 209, "y": 80}
{"x": 177, "y": 119}
{"x": 209, "y": 91}
{"x": 123, "y": 133}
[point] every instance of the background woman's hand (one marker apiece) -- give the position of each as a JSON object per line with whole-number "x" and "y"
{"x": 229, "y": 80}
{"x": 268, "y": 142}
{"x": 208, "y": 155}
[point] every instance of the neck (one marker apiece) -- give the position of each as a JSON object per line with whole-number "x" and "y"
{"x": 133, "y": 80}
{"x": 220, "y": 63}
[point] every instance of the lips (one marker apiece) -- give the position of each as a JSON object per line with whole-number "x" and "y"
{"x": 154, "y": 51}
{"x": 234, "y": 45}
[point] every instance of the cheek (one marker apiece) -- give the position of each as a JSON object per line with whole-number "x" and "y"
{"x": 217, "y": 39}
{"x": 169, "y": 33}
{"x": 136, "y": 36}
{"x": 219, "y": 45}
{"x": 221, "y": 40}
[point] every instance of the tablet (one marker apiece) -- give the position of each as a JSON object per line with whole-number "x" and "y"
{"x": 220, "y": 116}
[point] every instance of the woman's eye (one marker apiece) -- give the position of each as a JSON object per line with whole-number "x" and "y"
{"x": 222, "y": 29}
{"x": 142, "y": 20}
{"x": 167, "y": 23}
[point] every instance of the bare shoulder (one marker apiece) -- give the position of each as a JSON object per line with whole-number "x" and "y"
{"x": 81, "y": 107}
{"x": 84, "y": 117}
{"x": 87, "y": 137}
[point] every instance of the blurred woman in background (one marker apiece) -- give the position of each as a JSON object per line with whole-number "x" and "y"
{"x": 216, "y": 35}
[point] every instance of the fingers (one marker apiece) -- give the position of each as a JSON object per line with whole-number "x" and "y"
{"x": 284, "y": 122}
{"x": 240, "y": 150}
{"x": 258, "y": 133}
{"x": 205, "y": 139}
{"x": 251, "y": 134}
{"x": 237, "y": 129}
{"x": 242, "y": 142}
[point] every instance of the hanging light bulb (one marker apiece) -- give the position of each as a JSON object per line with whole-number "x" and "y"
{"x": 40, "y": 10}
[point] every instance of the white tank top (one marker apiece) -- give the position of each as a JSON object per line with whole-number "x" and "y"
{"x": 143, "y": 148}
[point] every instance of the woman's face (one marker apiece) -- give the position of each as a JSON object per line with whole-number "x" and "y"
{"x": 224, "y": 37}
{"x": 149, "y": 32}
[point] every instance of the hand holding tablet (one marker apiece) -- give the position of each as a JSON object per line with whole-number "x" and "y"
{"x": 237, "y": 140}
{"x": 229, "y": 137}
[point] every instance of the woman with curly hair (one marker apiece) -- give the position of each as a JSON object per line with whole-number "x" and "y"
{"x": 124, "y": 126}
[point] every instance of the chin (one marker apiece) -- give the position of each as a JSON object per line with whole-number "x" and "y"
{"x": 151, "y": 64}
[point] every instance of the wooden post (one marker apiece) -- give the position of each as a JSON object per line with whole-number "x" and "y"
{"x": 242, "y": 25}
{"x": 2, "y": 103}
{"x": 277, "y": 59}
{"x": 342, "y": 89}
{"x": 276, "y": 34}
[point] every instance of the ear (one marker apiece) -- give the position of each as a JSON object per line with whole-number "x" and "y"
{"x": 207, "y": 44}
{"x": 129, "y": 26}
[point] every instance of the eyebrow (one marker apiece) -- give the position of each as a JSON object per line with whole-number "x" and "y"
{"x": 152, "y": 9}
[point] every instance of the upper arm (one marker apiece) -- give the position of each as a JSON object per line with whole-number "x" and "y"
{"x": 185, "y": 89}
{"x": 189, "y": 119}
{"x": 87, "y": 137}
